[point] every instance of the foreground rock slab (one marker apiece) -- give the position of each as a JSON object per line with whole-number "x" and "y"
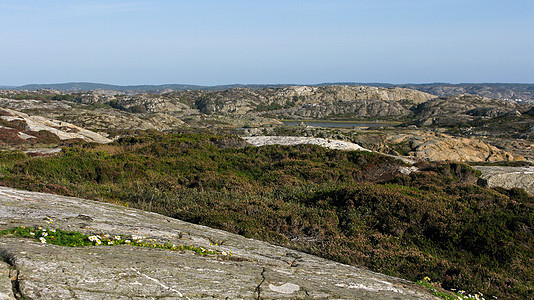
{"x": 255, "y": 270}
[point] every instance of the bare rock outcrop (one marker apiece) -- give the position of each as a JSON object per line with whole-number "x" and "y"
{"x": 315, "y": 102}
{"x": 101, "y": 117}
{"x": 256, "y": 270}
{"x": 507, "y": 177}
{"x": 295, "y": 140}
{"x": 63, "y": 130}
{"x": 364, "y": 108}
{"x": 443, "y": 147}
{"x": 454, "y": 110}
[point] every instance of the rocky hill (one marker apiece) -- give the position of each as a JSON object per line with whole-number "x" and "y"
{"x": 293, "y": 102}
{"x": 502, "y": 91}
{"x": 511, "y": 91}
{"x": 463, "y": 108}
{"x": 20, "y": 129}
{"x": 93, "y": 116}
{"x": 466, "y": 116}
{"x": 314, "y": 102}
{"x": 238, "y": 268}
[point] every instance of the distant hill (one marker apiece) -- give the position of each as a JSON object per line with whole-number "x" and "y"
{"x": 90, "y": 86}
{"x": 515, "y": 91}
{"x": 503, "y": 91}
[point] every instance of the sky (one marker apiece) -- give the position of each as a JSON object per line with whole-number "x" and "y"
{"x": 213, "y": 42}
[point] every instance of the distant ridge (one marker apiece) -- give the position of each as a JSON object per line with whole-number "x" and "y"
{"x": 90, "y": 86}
{"x": 516, "y": 91}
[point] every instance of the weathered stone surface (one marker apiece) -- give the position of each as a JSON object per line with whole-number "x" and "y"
{"x": 256, "y": 270}
{"x": 365, "y": 108}
{"x": 443, "y": 147}
{"x": 454, "y": 110}
{"x": 295, "y": 140}
{"x": 507, "y": 177}
{"x": 310, "y": 102}
{"x": 100, "y": 118}
{"x": 62, "y": 130}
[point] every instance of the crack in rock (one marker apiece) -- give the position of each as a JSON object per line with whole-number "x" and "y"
{"x": 17, "y": 293}
{"x": 258, "y": 288}
{"x": 13, "y": 275}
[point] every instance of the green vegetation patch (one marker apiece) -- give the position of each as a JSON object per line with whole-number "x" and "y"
{"x": 349, "y": 206}
{"x": 76, "y": 239}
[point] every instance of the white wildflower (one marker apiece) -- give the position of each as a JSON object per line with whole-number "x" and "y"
{"x": 43, "y": 240}
{"x": 94, "y": 238}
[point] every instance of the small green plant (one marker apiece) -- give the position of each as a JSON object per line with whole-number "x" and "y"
{"x": 76, "y": 239}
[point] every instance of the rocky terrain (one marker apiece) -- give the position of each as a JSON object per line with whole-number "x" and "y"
{"x": 511, "y": 91}
{"x": 254, "y": 270}
{"x": 237, "y": 105}
{"x": 315, "y": 102}
{"x": 292, "y": 140}
{"x": 442, "y": 147}
{"x": 461, "y": 109}
{"x": 503, "y": 91}
{"x": 470, "y": 121}
{"x": 18, "y": 129}
{"x": 102, "y": 118}
{"x": 461, "y": 127}
{"x": 412, "y": 125}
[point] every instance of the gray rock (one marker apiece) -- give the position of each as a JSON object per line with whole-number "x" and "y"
{"x": 507, "y": 177}
{"x": 297, "y": 140}
{"x": 62, "y": 130}
{"x": 256, "y": 270}
{"x": 311, "y": 102}
{"x": 463, "y": 108}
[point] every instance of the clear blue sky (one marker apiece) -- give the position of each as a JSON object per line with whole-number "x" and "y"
{"x": 255, "y": 41}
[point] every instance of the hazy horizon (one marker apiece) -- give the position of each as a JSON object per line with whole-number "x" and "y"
{"x": 212, "y": 42}
{"x": 270, "y": 84}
